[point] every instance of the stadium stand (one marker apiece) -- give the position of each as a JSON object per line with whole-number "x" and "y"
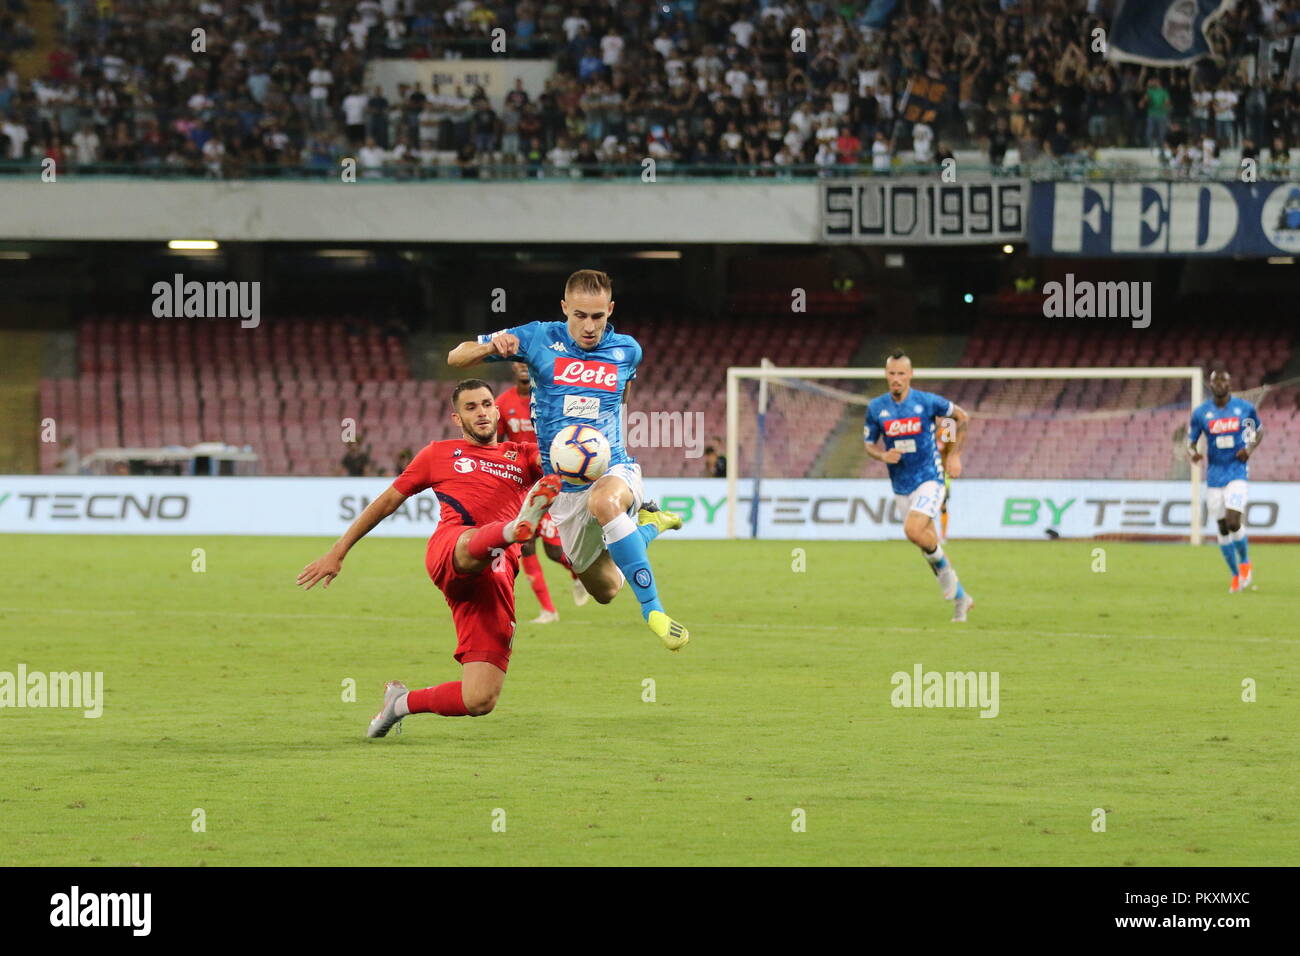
{"x": 281, "y": 87}
{"x": 285, "y": 388}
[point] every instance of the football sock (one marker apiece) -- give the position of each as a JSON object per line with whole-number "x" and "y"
{"x": 648, "y": 531}
{"x": 628, "y": 549}
{"x": 937, "y": 559}
{"x": 1229, "y": 551}
{"x": 488, "y": 538}
{"x": 533, "y": 568}
{"x": 1239, "y": 539}
{"x": 445, "y": 700}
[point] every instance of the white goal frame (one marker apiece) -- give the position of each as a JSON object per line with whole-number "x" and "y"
{"x": 763, "y": 374}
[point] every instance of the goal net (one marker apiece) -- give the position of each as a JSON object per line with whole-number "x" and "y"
{"x": 1050, "y": 452}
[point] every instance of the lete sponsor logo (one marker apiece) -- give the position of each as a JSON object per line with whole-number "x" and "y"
{"x": 601, "y": 375}
{"x": 903, "y": 426}
{"x": 1221, "y": 426}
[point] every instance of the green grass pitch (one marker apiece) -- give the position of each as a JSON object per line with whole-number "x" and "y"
{"x": 224, "y": 692}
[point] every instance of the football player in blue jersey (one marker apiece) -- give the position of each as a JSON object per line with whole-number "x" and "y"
{"x": 580, "y": 370}
{"x": 905, "y": 419}
{"x": 1232, "y": 432}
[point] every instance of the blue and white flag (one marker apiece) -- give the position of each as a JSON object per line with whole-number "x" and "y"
{"x": 1163, "y": 32}
{"x": 878, "y": 13}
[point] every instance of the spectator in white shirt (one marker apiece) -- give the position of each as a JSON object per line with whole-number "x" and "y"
{"x": 881, "y": 160}
{"x": 1225, "y": 113}
{"x": 214, "y": 151}
{"x": 354, "y": 115}
{"x": 611, "y": 48}
{"x": 85, "y": 144}
{"x": 574, "y": 22}
{"x": 321, "y": 80}
{"x": 371, "y": 158}
{"x": 16, "y": 134}
{"x": 561, "y": 155}
{"x": 737, "y": 79}
{"x": 743, "y": 31}
{"x": 922, "y": 144}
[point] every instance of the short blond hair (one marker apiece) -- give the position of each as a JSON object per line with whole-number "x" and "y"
{"x": 588, "y": 282}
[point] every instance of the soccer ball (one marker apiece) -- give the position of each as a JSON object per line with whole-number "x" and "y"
{"x": 580, "y": 454}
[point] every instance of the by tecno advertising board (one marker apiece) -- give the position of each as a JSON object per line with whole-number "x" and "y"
{"x": 788, "y": 509}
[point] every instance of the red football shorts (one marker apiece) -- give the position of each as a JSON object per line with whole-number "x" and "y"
{"x": 482, "y": 605}
{"x": 548, "y": 532}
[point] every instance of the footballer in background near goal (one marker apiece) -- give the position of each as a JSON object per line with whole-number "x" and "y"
{"x": 1232, "y": 431}
{"x": 904, "y": 418}
{"x": 580, "y": 370}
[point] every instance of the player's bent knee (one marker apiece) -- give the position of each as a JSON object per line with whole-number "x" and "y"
{"x": 480, "y": 705}
{"x": 605, "y": 508}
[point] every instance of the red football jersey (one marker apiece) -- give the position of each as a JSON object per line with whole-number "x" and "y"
{"x": 475, "y": 484}
{"x": 516, "y": 417}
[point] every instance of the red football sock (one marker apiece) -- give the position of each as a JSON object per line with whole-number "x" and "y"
{"x": 533, "y": 568}
{"x": 445, "y": 699}
{"x": 486, "y": 539}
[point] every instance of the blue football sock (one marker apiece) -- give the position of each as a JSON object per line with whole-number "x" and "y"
{"x": 628, "y": 549}
{"x": 648, "y": 531}
{"x": 961, "y": 592}
{"x": 1229, "y": 554}
{"x": 938, "y": 560}
{"x": 1239, "y": 539}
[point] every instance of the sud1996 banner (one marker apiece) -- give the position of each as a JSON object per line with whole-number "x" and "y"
{"x": 906, "y": 211}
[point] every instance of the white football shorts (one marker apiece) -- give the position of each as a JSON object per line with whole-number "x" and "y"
{"x": 927, "y": 498}
{"x": 580, "y": 534}
{"x": 1231, "y": 497}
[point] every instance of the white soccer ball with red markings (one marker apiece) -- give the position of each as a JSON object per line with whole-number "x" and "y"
{"x": 580, "y": 454}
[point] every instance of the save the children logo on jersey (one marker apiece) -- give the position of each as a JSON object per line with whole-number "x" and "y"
{"x": 903, "y": 426}
{"x": 588, "y": 374}
{"x": 464, "y": 465}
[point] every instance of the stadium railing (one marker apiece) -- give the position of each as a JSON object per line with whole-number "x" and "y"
{"x": 1046, "y": 170}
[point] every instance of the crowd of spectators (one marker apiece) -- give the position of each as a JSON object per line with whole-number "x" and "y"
{"x": 271, "y": 86}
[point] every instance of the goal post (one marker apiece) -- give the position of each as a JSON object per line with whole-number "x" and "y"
{"x": 744, "y": 383}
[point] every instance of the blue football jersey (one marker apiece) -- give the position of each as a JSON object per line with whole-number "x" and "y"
{"x": 574, "y": 386}
{"x": 908, "y": 426}
{"x": 1227, "y": 430}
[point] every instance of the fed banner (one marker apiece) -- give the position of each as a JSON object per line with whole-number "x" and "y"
{"x": 907, "y": 211}
{"x": 788, "y": 509}
{"x": 1165, "y": 219}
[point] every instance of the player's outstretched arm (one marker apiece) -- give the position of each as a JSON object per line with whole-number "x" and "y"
{"x": 471, "y": 353}
{"x": 327, "y": 567}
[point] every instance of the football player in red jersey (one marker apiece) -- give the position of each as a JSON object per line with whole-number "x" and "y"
{"x": 517, "y": 425}
{"x": 490, "y": 498}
